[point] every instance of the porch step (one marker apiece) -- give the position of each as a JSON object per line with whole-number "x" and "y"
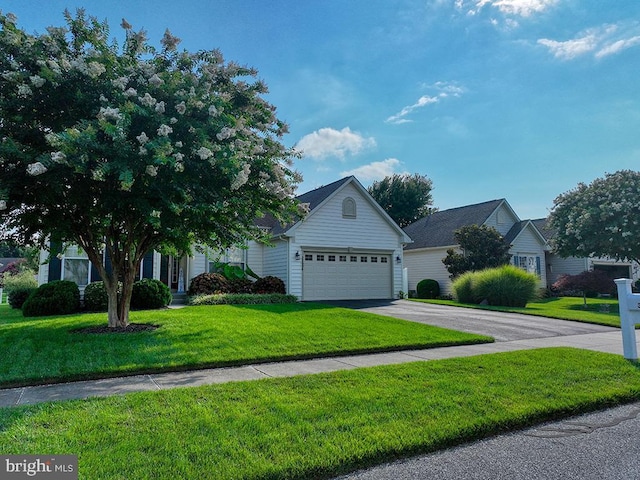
{"x": 179, "y": 298}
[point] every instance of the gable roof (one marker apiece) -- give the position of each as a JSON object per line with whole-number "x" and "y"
{"x": 436, "y": 230}
{"x": 542, "y": 224}
{"x": 318, "y": 197}
{"x": 519, "y": 227}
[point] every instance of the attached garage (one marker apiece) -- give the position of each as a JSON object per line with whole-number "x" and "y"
{"x": 334, "y": 275}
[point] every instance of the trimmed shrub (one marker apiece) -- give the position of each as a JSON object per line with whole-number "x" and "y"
{"x": 19, "y": 286}
{"x": 95, "y": 297}
{"x": 269, "y": 284}
{"x": 240, "y": 285}
{"x": 242, "y": 299}
{"x": 428, "y": 288}
{"x": 208, "y": 283}
{"x": 59, "y": 297}
{"x": 150, "y": 294}
{"x": 507, "y": 286}
{"x": 18, "y": 296}
{"x": 463, "y": 288}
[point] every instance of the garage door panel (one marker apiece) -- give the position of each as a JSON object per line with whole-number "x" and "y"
{"x": 334, "y": 276}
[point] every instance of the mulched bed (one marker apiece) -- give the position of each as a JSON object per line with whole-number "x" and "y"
{"x": 131, "y": 328}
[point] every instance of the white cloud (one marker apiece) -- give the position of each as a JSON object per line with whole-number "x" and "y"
{"x": 570, "y": 48}
{"x": 522, "y": 8}
{"x": 443, "y": 90}
{"x": 328, "y": 142}
{"x": 601, "y": 41}
{"x": 618, "y": 46}
{"x": 375, "y": 170}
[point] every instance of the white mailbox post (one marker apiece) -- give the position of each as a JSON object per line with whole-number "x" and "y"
{"x": 629, "y": 317}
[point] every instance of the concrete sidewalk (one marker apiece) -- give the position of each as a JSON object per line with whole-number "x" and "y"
{"x": 610, "y": 342}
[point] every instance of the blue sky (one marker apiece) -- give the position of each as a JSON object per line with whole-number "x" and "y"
{"x": 515, "y": 99}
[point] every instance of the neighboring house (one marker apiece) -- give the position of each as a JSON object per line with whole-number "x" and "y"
{"x": 557, "y": 266}
{"x": 433, "y": 235}
{"x": 347, "y": 247}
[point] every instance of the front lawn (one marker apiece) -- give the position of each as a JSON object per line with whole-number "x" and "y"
{"x": 318, "y": 426}
{"x": 602, "y": 311}
{"x": 39, "y": 350}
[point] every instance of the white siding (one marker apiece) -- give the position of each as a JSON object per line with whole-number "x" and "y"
{"x": 427, "y": 263}
{"x": 528, "y": 244}
{"x": 327, "y": 228}
{"x": 275, "y": 261}
{"x": 564, "y": 266}
{"x": 255, "y": 252}
{"x": 501, "y": 219}
{"x": 43, "y": 270}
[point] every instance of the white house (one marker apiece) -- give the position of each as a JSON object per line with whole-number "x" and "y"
{"x": 433, "y": 235}
{"x": 347, "y": 247}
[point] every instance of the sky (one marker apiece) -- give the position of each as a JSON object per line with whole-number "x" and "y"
{"x": 515, "y": 99}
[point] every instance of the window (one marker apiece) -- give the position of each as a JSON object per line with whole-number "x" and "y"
{"x": 76, "y": 266}
{"x": 343, "y": 258}
{"x": 349, "y": 208}
{"x": 234, "y": 256}
{"x": 308, "y": 257}
{"x": 384, "y": 260}
{"x": 77, "y": 270}
{"x": 332, "y": 258}
{"x": 353, "y": 258}
{"x": 363, "y": 259}
{"x": 374, "y": 259}
{"x": 320, "y": 258}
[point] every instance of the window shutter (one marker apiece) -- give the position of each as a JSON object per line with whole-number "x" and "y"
{"x": 55, "y": 264}
{"x": 538, "y": 267}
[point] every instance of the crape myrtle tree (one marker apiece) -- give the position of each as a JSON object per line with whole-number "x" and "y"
{"x": 601, "y": 219}
{"x": 406, "y": 198}
{"x": 125, "y": 149}
{"x": 482, "y": 247}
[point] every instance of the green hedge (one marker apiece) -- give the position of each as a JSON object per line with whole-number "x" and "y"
{"x": 428, "y": 288}
{"x": 150, "y": 294}
{"x": 241, "y": 299}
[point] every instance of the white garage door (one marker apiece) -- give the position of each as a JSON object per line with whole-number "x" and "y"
{"x": 340, "y": 276}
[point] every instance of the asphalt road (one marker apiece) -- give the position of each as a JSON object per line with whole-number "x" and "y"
{"x": 502, "y": 326}
{"x": 597, "y": 446}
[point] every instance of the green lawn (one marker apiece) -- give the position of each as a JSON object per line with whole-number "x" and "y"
{"x": 317, "y": 426}
{"x": 38, "y": 350}
{"x": 603, "y": 311}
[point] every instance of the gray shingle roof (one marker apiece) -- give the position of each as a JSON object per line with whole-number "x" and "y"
{"x": 436, "y": 230}
{"x": 313, "y": 198}
{"x": 543, "y": 227}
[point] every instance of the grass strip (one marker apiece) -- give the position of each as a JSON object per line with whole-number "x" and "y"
{"x": 601, "y": 311}
{"x": 40, "y": 350}
{"x": 318, "y": 426}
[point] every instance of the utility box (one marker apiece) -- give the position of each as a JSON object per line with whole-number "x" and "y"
{"x": 629, "y": 316}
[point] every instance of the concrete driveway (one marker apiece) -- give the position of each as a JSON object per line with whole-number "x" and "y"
{"x": 504, "y": 327}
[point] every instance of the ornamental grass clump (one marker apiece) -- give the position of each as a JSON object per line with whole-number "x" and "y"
{"x": 506, "y": 286}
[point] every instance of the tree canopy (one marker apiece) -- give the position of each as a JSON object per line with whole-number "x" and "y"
{"x": 406, "y": 198}
{"x": 601, "y": 219}
{"x": 482, "y": 247}
{"x": 130, "y": 148}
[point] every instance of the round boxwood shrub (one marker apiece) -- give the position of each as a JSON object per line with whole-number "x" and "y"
{"x": 19, "y": 295}
{"x": 208, "y": 283}
{"x": 428, "y": 288}
{"x": 95, "y": 297}
{"x": 59, "y": 297}
{"x": 269, "y": 284}
{"x": 149, "y": 294}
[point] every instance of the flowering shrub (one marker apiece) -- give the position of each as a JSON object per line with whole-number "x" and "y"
{"x": 148, "y": 146}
